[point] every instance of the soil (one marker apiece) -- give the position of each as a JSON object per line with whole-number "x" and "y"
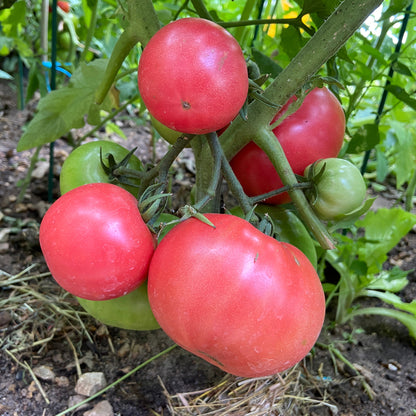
{"x": 42, "y": 326}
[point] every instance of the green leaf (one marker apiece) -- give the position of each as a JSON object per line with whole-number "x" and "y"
{"x": 404, "y": 157}
{"x": 266, "y": 64}
{"x": 392, "y": 280}
{"x": 292, "y": 41}
{"x": 5, "y": 75}
{"x": 323, "y": 8}
{"x": 395, "y": 301}
{"x": 401, "y": 94}
{"x": 384, "y": 229}
{"x": 382, "y": 165}
{"x": 405, "y": 318}
{"x": 113, "y": 128}
{"x": 403, "y": 69}
{"x": 372, "y": 51}
{"x": 64, "y": 109}
{"x": 365, "y": 138}
{"x": 13, "y": 19}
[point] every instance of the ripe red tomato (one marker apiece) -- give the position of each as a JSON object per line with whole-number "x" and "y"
{"x": 315, "y": 131}
{"x": 192, "y": 76}
{"x": 64, "y": 6}
{"x": 235, "y": 297}
{"x": 95, "y": 242}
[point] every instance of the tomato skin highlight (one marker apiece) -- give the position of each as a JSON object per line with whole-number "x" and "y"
{"x": 83, "y": 165}
{"x": 315, "y": 131}
{"x": 235, "y": 297}
{"x": 95, "y": 243}
{"x": 192, "y": 76}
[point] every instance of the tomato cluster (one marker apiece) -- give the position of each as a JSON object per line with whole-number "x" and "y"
{"x": 247, "y": 301}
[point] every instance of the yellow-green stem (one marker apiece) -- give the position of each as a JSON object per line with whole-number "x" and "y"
{"x": 267, "y": 141}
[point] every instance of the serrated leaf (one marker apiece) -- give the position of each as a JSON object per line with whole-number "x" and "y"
{"x": 392, "y": 280}
{"x": 404, "y": 158}
{"x": 64, "y": 109}
{"x": 365, "y": 138}
{"x": 13, "y": 19}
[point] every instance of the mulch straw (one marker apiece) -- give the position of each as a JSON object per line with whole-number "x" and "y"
{"x": 38, "y": 309}
{"x": 279, "y": 395}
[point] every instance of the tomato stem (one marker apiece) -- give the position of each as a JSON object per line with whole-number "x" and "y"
{"x": 267, "y": 141}
{"x": 142, "y": 24}
{"x": 263, "y": 197}
{"x": 91, "y": 30}
{"x": 201, "y": 10}
{"x": 235, "y": 186}
{"x": 162, "y": 168}
{"x": 211, "y": 191}
{"x": 295, "y": 21}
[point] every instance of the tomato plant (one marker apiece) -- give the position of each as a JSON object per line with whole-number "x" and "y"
{"x": 235, "y": 297}
{"x": 83, "y": 165}
{"x": 95, "y": 242}
{"x": 315, "y": 131}
{"x": 192, "y": 76}
{"x": 339, "y": 188}
{"x": 131, "y": 311}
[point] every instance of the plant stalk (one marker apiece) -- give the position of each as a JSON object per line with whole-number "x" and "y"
{"x": 91, "y": 30}
{"x": 267, "y": 141}
{"x": 142, "y": 24}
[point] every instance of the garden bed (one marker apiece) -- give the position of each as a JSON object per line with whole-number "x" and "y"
{"x": 366, "y": 368}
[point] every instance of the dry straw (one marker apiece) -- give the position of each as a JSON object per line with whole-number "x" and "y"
{"x": 279, "y": 395}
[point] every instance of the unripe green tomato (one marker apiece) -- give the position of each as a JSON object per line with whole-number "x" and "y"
{"x": 64, "y": 40}
{"x": 165, "y": 132}
{"x": 131, "y": 311}
{"x": 83, "y": 165}
{"x": 338, "y": 191}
